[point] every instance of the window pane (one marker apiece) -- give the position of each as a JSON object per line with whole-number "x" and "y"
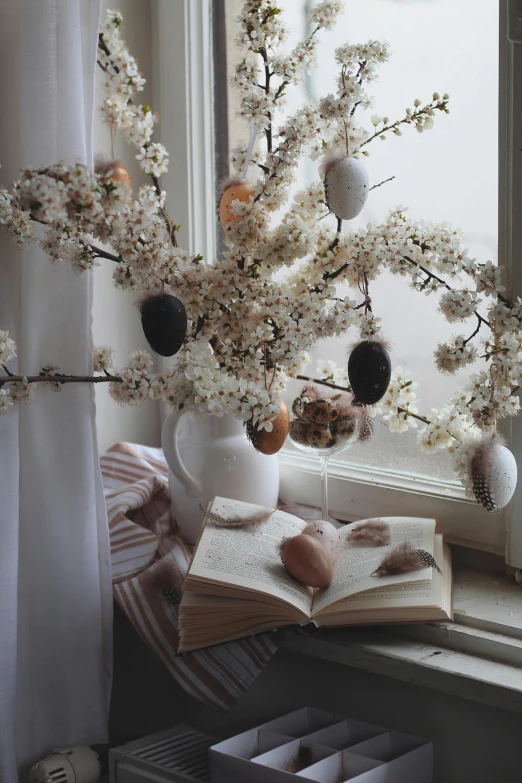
{"x": 447, "y": 174}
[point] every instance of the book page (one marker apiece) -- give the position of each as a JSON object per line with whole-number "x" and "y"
{"x": 250, "y": 558}
{"x": 353, "y": 572}
{"x": 425, "y": 592}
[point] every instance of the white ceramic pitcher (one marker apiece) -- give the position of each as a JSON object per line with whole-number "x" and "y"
{"x": 209, "y": 456}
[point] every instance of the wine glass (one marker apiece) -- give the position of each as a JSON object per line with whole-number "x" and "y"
{"x": 323, "y": 438}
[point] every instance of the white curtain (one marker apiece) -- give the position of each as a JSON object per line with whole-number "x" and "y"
{"x": 55, "y": 595}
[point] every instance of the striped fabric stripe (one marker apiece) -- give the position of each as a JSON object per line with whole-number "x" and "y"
{"x": 149, "y": 563}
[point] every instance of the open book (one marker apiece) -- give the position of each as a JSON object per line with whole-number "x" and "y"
{"x": 237, "y": 584}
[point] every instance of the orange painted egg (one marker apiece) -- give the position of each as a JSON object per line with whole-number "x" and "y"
{"x": 240, "y": 191}
{"x": 270, "y": 442}
{"x": 307, "y": 560}
{"x": 120, "y": 174}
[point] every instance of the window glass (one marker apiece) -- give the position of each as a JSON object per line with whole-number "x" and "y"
{"x": 448, "y": 174}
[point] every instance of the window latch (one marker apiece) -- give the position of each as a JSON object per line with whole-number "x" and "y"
{"x": 515, "y": 22}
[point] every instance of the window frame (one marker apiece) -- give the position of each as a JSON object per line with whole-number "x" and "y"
{"x": 184, "y": 95}
{"x": 510, "y": 222}
{"x": 191, "y": 114}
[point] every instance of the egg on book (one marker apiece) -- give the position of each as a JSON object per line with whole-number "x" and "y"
{"x": 307, "y": 560}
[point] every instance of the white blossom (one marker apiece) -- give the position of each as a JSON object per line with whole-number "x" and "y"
{"x": 6, "y": 401}
{"x": 7, "y": 348}
{"x": 21, "y": 392}
{"x": 103, "y": 358}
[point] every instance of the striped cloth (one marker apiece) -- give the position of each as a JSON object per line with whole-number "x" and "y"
{"x": 149, "y": 562}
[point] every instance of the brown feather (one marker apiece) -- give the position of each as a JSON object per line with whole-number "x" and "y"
{"x": 374, "y": 532}
{"x": 402, "y": 559}
{"x": 330, "y": 160}
{"x": 229, "y": 182}
{"x": 239, "y": 521}
{"x": 104, "y": 166}
{"x": 301, "y": 760}
{"x": 381, "y": 341}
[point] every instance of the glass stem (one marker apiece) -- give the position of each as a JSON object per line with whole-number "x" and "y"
{"x": 324, "y": 487}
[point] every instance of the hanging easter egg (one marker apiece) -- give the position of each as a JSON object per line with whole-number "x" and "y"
{"x": 365, "y": 430}
{"x": 233, "y": 190}
{"x": 112, "y": 171}
{"x": 369, "y": 372}
{"x": 121, "y": 174}
{"x": 493, "y": 473}
{"x": 164, "y": 323}
{"x": 327, "y": 534}
{"x": 270, "y": 442}
{"x": 346, "y": 185}
{"x": 307, "y": 560}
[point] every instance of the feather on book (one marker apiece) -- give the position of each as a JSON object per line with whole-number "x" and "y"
{"x": 237, "y": 584}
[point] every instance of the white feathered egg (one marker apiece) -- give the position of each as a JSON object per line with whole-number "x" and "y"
{"x": 493, "y": 473}
{"x": 346, "y": 185}
{"x": 327, "y": 534}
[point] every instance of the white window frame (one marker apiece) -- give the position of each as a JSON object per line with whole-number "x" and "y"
{"x": 184, "y": 96}
{"x": 510, "y": 221}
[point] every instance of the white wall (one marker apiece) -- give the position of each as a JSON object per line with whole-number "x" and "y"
{"x": 116, "y": 319}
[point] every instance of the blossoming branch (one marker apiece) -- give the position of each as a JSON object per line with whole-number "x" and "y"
{"x": 246, "y": 330}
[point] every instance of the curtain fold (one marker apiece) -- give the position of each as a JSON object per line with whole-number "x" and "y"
{"x": 55, "y": 593}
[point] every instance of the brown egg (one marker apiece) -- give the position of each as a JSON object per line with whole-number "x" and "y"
{"x": 120, "y": 174}
{"x": 307, "y": 560}
{"x": 112, "y": 171}
{"x": 327, "y": 534}
{"x": 271, "y": 442}
{"x": 320, "y": 436}
{"x": 320, "y": 411}
{"x": 240, "y": 191}
{"x": 299, "y": 431}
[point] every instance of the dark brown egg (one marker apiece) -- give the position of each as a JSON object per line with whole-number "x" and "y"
{"x": 369, "y": 372}
{"x": 270, "y": 442}
{"x": 307, "y": 560}
{"x": 164, "y": 323}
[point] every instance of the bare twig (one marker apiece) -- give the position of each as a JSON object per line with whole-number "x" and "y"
{"x": 382, "y": 183}
{"x": 414, "y": 415}
{"x": 432, "y": 276}
{"x": 60, "y": 379}
{"x": 323, "y": 383}
{"x": 479, "y": 324}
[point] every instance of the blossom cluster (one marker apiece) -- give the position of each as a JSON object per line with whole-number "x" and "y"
{"x": 398, "y": 405}
{"x": 120, "y": 110}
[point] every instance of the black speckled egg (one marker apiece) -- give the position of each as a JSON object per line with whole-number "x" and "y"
{"x": 369, "y": 372}
{"x": 164, "y": 323}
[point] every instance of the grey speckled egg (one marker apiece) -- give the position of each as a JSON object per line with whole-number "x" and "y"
{"x": 495, "y": 482}
{"x": 347, "y": 186}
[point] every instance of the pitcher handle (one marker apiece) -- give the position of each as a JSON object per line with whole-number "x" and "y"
{"x": 169, "y": 441}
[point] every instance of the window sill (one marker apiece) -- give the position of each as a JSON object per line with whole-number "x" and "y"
{"x": 477, "y": 657}
{"x": 355, "y": 489}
